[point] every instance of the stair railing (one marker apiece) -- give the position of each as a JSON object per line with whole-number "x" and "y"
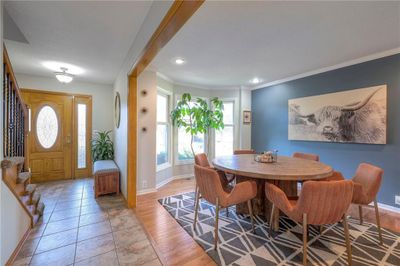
{"x": 15, "y": 113}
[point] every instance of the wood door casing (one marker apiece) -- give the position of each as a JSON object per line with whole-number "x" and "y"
{"x": 84, "y": 171}
{"x": 60, "y": 160}
{"x": 55, "y": 162}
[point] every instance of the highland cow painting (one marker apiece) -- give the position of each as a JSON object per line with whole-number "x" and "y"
{"x": 356, "y": 116}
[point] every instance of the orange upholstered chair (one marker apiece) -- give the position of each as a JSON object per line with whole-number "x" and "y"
{"x": 367, "y": 181}
{"x": 250, "y": 151}
{"x": 212, "y": 190}
{"x": 308, "y": 156}
{"x": 320, "y": 203}
{"x": 315, "y": 157}
{"x": 202, "y": 160}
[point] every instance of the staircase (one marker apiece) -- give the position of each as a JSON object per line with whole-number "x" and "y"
{"x": 19, "y": 183}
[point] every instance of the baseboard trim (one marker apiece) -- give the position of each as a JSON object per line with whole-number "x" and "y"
{"x": 146, "y": 191}
{"x": 163, "y": 183}
{"x": 13, "y": 256}
{"x": 387, "y": 207}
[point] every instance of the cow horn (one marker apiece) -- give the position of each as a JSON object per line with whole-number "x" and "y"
{"x": 298, "y": 113}
{"x": 357, "y": 106}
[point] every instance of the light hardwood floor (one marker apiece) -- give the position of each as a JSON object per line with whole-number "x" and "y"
{"x": 172, "y": 244}
{"x": 175, "y": 247}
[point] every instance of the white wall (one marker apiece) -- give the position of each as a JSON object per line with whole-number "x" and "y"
{"x": 150, "y": 24}
{"x": 14, "y": 221}
{"x": 102, "y": 96}
{"x": 146, "y": 140}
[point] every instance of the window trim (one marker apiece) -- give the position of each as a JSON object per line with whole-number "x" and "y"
{"x": 233, "y": 125}
{"x": 177, "y": 161}
{"x": 166, "y": 165}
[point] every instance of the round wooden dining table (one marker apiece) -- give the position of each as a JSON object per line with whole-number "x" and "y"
{"x": 285, "y": 173}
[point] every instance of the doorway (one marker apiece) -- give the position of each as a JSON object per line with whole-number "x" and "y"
{"x": 59, "y": 135}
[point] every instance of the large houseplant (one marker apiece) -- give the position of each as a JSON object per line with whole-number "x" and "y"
{"x": 102, "y": 146}
{"x": 196, "y": 117}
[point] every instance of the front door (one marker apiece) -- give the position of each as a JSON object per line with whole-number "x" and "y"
{"x": 50, "y": 136}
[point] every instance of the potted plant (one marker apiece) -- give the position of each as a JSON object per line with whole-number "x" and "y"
{"x": 197, "y": 117}
{"x": 102, "y": 146}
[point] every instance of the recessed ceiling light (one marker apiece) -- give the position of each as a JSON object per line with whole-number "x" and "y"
{"x": 63, "y": 76}
{"x": 179, "y": 61}
{"x": 255, "y": 80}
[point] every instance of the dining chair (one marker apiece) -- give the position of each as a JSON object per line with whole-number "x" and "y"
{"x": 308, "y": 156}
{"x": 320, "y": 203}
{"x": 367, "y": 181}
{"x": 248, "y": 151}
{"x": 315, "y": 157}
{"x": 202, "y": 160}
{"x": 213, "y": 191}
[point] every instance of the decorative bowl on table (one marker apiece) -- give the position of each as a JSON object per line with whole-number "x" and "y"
{"x": 266, "y": 157}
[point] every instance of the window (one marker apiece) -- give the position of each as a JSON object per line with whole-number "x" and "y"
{"x": 224, "y": 137}
{"x": 81, "y": 136}
{"x": 47, "y": 127}
{"x": 184, "y": 150}
{"x": 163, "y": 129}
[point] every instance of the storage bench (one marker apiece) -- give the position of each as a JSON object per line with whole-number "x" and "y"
{"x": 106, "y": 177}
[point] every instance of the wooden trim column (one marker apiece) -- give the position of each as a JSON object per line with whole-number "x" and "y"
{"x": 178, "y": 14}
{"x": 132, "y": 141}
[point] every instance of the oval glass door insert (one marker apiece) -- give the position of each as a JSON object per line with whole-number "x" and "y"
{"x": 47, "y": 127}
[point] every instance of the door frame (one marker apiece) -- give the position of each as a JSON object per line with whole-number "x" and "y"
{"x": 177, "y": 15}
{"x": 76, "y": 98}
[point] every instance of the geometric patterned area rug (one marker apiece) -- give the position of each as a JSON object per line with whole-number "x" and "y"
{"x": 239, "y": 246}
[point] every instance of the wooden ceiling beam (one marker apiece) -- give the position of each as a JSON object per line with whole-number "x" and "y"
{"x": 178, "y": 14}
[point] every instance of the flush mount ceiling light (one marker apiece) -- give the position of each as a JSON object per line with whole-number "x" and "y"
{"x": 255, "y": 80}
{"x": 55, "y": 66}
{"x": 63, "y": 76}
{"x": 179, "y": 61}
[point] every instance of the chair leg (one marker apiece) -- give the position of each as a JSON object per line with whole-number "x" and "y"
{"x": 346, "y": 235}
{"x": 227, "y": 211}
{"x": 196, "y": 208}
{"x": 321, "y": 229}
{"x": 271, "y": 219}
{"x": 360, "y": 213}
{"x": 378, "y": 222}
{"x": 195, "y": 193}
{"x": 305, "y": 236}
{"x": 216, "y": 223}
{"x": 251, "y": 214}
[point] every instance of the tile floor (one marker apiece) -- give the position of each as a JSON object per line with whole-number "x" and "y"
{"x": 76, "y": 229}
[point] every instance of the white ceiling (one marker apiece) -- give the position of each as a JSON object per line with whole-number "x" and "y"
{"x": 228, "y": 43}
{"x": 92, "y": 35}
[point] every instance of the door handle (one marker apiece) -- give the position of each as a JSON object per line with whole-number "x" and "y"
{"x": 68, "y": 139}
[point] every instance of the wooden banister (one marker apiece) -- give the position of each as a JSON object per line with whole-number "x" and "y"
{"x": 15, "y": 126}
{"x": 15, "y": 113}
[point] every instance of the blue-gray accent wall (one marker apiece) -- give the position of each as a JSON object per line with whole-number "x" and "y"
{"x": 270, "y": 120}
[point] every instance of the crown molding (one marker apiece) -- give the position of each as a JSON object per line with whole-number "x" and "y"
{"x": 329, "y": 68}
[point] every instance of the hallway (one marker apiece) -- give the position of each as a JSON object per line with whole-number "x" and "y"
{"x": 76, "y": 229}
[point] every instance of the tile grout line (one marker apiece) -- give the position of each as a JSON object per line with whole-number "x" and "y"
{"x": 115, "y": 246}
{"x": 55, "y": 201}
{"x": 41, "y": 236}
{"x": 79, "y": 220}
